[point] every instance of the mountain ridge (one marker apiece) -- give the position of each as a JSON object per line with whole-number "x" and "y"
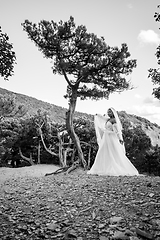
{"x": 57, "y": 114}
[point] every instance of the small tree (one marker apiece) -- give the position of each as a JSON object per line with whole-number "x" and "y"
{"x": 154, "y": 74}
{"x": 137, "y": 144}
{"x": 85, "y": 129}
{"x": 9, "y": 108}
{"x": 29, "y": 141}
{"x": 7, "y": 56}
{"x": 91, "y": 68}
{"x": 9, "y": 133}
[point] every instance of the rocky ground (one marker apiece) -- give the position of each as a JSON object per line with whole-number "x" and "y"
{"x": 77, "y": 205}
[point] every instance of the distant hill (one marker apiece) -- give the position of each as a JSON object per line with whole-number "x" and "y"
{"x": 151, "y": 129}
{"x": 57, "y": 114}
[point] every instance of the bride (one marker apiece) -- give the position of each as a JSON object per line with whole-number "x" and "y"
{"x": 110, "y": 159}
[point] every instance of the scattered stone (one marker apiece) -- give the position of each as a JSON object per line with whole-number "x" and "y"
{"x": 53, "y": 226}
{"x": 115, "y": 220}
{"x": 101, "y": 225}
{"x": 157, "y": 221}
{"x": 144, "y": 234}
{"x": 133, "y": 229}
{"x": 134, "y": 238}
{"x": 103, "y": 238}
{"x": 32, "y": 203}
{"x": 151, "y": 195}
{"x": 120, "y": 235}
{"x": 113, "y": 226}
{"x": 70, "y": 234}
{"x": 129, "y": 232}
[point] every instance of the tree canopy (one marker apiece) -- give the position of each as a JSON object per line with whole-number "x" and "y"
{"x": 7, "y": 56}
{"x": 154, "y": 74}
{"x": 91, "y": 68}
{"x": 82, "y": 57}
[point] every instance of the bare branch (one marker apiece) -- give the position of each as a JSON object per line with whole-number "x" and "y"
{"x": 49, "y": 151}
{"x": 30, "y": 160}
{"x": 66, "y": 78}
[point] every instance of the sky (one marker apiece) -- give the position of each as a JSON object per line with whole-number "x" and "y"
{"x": 118, "y": 21}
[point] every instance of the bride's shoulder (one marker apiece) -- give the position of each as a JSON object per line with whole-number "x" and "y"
{"x": 113, "y": 120}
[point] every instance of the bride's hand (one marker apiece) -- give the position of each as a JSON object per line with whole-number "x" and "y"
{"x": 107, "y": 120}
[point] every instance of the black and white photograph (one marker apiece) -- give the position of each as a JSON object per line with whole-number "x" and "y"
{"x": 79, "y": 119}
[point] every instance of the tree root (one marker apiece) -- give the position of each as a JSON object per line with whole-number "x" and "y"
{"x": 70, "y": 169}
{"x": 66, "y": 169}
{"x": 62, "y": 169}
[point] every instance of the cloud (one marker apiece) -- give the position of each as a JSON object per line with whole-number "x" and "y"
{"x": 129, "y": 5}
{"x": 152, "y": 101}
{"x": 152, "y": 113}
{"x": 148, "y": 36}
{"x": 138, "y": 96}
{"x": 149, "y": 108}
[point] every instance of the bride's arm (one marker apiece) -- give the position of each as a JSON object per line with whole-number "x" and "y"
{"x": 117, "y": 133}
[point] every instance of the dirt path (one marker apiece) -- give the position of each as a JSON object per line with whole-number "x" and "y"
{"x": 33, "y": 171}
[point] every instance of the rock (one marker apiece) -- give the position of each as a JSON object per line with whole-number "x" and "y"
{"x": 22, "y": 228}
{"x": 113, "y": 226}
{"x": 144, "y": 234}
{"x": 115, "y": 220}
{"x": 151, "y": 195}
{"x": 53, "y": 226}
{"x": 70, "y": 234}
{"x": 101, "y": 225}
{"x": 103, "y": 238}
{"x": 155, "y": 222}
{"x": 134, "y": 238}
{"x": 120, "y": 235}
{"x": 121, "y": 229}
{"x": 129, "y": 232}
{"x": 66, "y": 222}
{"x": 133, "y": 229}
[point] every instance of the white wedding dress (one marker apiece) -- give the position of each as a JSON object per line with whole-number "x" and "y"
{"x": 110, "y": 159}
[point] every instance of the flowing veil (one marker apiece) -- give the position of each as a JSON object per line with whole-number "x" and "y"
{"x": 99, "y": 124}
{"x": 119, "y": 125}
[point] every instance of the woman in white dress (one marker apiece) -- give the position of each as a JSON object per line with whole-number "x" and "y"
{"x": 111, "y": 159}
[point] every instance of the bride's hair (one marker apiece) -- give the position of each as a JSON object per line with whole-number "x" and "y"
{"x": 111, "y": 110}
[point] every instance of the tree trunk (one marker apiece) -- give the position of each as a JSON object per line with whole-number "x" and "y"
{"x": 73, "y": 155}
{"x": 70, "y": 128}
{"x": 39, "y": 152}
{"x": 44, "y": 145}
{"x": 61, "y": 161}
{"x": 30, "y": 160}
{"x": 65, "y": 152}
{"x": 89, "y": 158}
